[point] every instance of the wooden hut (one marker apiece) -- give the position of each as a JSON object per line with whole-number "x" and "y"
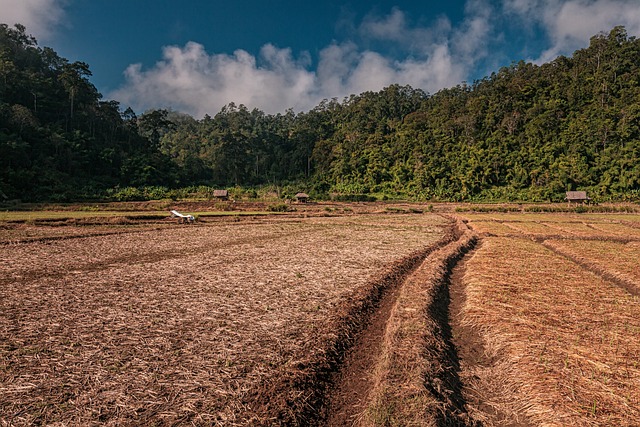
{"x": 302, "y": 197}
{"x": 577, "y": 197}
{"x": 221, "y": 194}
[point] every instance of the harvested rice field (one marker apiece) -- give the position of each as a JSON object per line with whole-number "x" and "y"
{"x": 367, "y": 317}
{"x": 566, "y": 338}
{"x": 186, "y": 324}
{"x": 556, "y": 318}
{"x": 620, "y": 260}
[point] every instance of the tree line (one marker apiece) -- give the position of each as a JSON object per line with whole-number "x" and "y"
{"x": 525, "y": 132}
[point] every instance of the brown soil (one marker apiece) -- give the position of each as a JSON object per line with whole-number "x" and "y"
{"x": 355, "y": 380}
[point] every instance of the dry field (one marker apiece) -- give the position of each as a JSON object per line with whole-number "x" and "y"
{"x": 369, "y": 319}
{"x": 181, "y": 325}
{"x": 558, "y": 315}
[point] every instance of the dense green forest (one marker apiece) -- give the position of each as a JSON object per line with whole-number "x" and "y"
{"x": 526, "y": 133}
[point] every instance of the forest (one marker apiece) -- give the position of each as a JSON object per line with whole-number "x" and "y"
{"x": 524, "y": 133}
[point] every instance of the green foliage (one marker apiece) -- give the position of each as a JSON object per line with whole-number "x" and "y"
{"x": 353, "y": 198}
{"x": 280, "y": 207}
{"x": 524, "y": 133}
{"x": 58, "y": 140}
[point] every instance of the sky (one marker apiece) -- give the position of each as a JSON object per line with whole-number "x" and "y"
{"x": 196, "y": 56}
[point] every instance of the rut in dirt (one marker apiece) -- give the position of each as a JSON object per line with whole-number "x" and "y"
{"x": 336, "y": 391}
{"x": 328, "y": 390}
{"x": 477, "y": 401}
{"x": 355, "y": 379}
{"x": 445, "y": 383}
{"x": 454, "y": 353}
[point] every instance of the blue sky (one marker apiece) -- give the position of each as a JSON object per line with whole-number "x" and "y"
{"x": 197, "y": 56}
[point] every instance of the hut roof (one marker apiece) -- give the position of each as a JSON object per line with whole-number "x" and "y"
{"x": 302, "y": 196}
{"x": 220, "y": 193}
{"x": 577, "y": 195}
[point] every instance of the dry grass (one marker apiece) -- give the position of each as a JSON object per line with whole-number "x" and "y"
{"x": 632, "y": 218}
{"x": 617, "y": 229}
{"x": 549, "y": 226}
{"x": 529, "y": 217}
{"x": 180, "y": 326}
{"x": 493, "y": 228}
{"x": 15, "y": 233}
{"x": 565, "y": 341}
{"x": 576, "y": 229}
{"x": 415, "y": 351}
{"x": 533, "y": 228}
{"x": 619, "y": 260}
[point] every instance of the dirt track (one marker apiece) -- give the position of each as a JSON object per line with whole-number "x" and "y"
{"x": 355, "y": 378}
{"x": 351, "y": 397}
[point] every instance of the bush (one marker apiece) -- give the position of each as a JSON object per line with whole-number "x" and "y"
{"x": 354, "y": 198}
{"x": 126, "y": 194}
{"x": 280, "y": 207}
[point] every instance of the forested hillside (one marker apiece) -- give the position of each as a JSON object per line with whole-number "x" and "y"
{"x": 526, "y": 132}
{"x": 58, "y": 139}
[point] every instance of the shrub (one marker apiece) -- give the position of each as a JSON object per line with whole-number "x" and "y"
{"x": 279, "y": 207}
{"x": 354, "y": 198}
{"x": 126, "y": 194}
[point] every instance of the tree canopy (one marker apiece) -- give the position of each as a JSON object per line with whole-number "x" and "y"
{"x": 525, "y": 132}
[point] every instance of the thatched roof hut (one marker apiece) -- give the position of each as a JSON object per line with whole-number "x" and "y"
{"x": 302, "y": 197}
{"x": 577, "y": 196}
{"x": 221, "y": 194}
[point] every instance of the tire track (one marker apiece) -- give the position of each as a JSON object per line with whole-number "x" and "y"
{"x": 408, "y": 345}
{"x": 332, "y": 387}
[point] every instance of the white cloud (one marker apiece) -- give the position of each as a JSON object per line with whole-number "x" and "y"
{"x": 569, "y": 24}
{"x": 390, "y": 27}
{"x": 40, "y": 17}
{"x": 191, "y": 80}
{"x": 188, "y": 79}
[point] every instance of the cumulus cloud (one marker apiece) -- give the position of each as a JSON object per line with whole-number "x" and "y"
{"x": 191, "y": 80}
{"x": 432, "y": 57}
{"x": 39, "y": 16}
{"x": 569, "y": 24}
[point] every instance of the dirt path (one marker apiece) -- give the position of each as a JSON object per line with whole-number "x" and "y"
{"x": 463, "y": 379}
{"x": 353, "y": 383}
{"x": 355, "y": 379}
